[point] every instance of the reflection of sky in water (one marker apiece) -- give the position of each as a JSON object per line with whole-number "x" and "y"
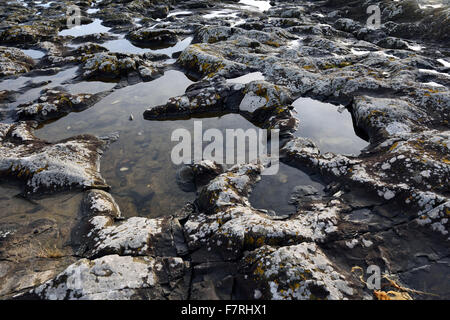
{"x": 32, "y": 94}
{"x": 91, "y": 87}
{"x": 122, "y": 45}
{"x": 444, "y": 63}
{"x": 180, "y": 46}
{"x": 114, "y": 110}
{"x": 56, "y": 80}
{"x": 226, "y": 13}
{"x": 254, "y": 76}
{"x": 91, "y": 28}
{"x": 138, "y": 166}
{"x": 35, "y": 54}
{"x": 178, "y": 13}
{"x": 330, "y": 129}
{"x": 260, "y": 5}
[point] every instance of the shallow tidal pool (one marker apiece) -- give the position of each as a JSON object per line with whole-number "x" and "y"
{"x": 329, "y": 126}
{"x": 139, "y": 166}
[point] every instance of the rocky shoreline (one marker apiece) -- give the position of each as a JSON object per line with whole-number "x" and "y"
{"x": 388, "y": 206}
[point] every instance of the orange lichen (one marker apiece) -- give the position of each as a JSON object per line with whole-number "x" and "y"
{"x": 391, "y": 295}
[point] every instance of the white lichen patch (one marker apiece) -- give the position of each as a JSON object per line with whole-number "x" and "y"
{"x": 111, "y": 277}
{"x": 409, "y": 171}
{"x": 132, "y": 237}
{"x": 100, "y": 203}
{"x": 236, "y": 226}
{"x": 53, "y": 104}
{"x": 437, "y": 217}
{"x": 107, "y": 65}
{"x": 51, "y": 167}
{"x": 300, "y": 272}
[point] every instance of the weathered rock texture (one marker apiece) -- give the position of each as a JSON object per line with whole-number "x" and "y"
{"x": 45, "y": 167}
{"x": 388, "y": 206}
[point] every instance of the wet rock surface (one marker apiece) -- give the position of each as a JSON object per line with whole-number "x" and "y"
{"x": 114, "y": 66}
{"x": 54, "y": 104}
{"x": 155, "y": 37}
{"x": 388, "y": 206}
{"x": 118, "y": 278}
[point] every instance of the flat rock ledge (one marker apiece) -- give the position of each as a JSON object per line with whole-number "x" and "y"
{"x": 54, "y": 104}
{"x": 136, "y": 258}
{"x": 50, "y": 167}
{"x": 115, "y": 277}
